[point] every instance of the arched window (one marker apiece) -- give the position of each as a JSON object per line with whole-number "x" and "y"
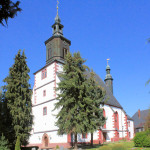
{"x": 116, "y": 120}
{"x": 104, "y": 114}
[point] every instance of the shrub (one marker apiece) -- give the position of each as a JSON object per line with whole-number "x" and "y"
{"x": 146, "y": 142}
{"x": 142, "y": 139}
{"x": 119, "y": 147}
{"x": 139, "y": 138}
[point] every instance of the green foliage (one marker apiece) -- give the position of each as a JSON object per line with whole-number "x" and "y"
{"x": 17, "y": 145}
{"x": 8, "y": 9}
{"x": 6, "y": 120}
{"x": 95, "y": 96}
{"x": 79, "y": 98}
{"x": 142, "y": 139}
{"x": 18, "y": 95}
{"x": 71, "y": 116}
{"x": 3, "y": 143}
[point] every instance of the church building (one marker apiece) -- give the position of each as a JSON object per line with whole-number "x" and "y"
{"x": 44, "y": 132}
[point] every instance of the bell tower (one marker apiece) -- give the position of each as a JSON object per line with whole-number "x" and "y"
{"x": 57, "y": 46}
{"x": 108, "y": 78}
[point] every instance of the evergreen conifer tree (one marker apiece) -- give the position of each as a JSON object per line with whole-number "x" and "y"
{"x": 18, "y": 95}
{"x": 78, "y": 113}
{"x": 95, "y": 97}
{"x": 6, "y": 120}
{"x": 3, "y": 143}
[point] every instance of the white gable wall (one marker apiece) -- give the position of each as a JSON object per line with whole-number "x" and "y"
{"x": 46, "y": 123}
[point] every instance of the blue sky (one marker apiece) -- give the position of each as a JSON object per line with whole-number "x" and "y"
{"x": 99, "y": 29}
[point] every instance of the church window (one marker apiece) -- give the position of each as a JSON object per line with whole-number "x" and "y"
{"x": 116, "y": 120}
{"x": 104, "y": 114}
{"x": 44, "y": 93}
{"x": 84, "y": 135}
{"x": 128, "y": 123}
{"x": 44, "y": 73}
{"x": 44, "y": 111}
{"x": 64, "y": 52}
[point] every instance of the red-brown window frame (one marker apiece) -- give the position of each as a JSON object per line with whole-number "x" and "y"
{"x": 44, "y": 74}
{"x": 128, "y": 123}
{"x": 116, "y": 120}
{"x": 104, "y": 114}
{"x": 43, "y": 111}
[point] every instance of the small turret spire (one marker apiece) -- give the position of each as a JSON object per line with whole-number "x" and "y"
{"x": 107, "y": 60}
{"x": 57, "y": 26}
{"x": 108, "y": 78}
{"x": 57, "y": 7}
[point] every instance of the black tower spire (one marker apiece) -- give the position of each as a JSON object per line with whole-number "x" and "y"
{"x": 108, "y": 78}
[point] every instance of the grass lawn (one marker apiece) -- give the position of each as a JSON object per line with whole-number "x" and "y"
{"x": 122, "y": 145}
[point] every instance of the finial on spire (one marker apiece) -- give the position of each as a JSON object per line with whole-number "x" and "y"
{"x": 108, "y": 61}
{"x": 57, "y": 6}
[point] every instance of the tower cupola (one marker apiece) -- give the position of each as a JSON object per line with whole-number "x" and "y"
{"x": 108, "y": 78}
{"x": 57, "y": 26}
{"x": 57, "y": 46}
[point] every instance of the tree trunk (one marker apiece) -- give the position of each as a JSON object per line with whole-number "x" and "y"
{"x": 75, "y": 142}
{"x": 92, "y": 139}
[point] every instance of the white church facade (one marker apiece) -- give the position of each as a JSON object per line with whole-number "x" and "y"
{"x": 44, "y": 134}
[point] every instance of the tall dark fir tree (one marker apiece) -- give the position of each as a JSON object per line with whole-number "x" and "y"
{"x": 79, "y": 99}
{"x": 18, "y": 95}
{"x": 6, "y": 127}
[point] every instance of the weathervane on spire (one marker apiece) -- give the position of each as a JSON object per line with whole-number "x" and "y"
{"x": 57, "y": 6}
{"x": 108, "y": 61}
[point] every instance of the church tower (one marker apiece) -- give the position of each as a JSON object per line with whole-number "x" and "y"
{"x": 57, "y": 46}
{"x": 44, "y": 132}
{"x": 108, "y": 78}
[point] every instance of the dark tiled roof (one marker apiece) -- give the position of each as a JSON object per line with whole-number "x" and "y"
{"x": 129, "y": 118}
{"x": 111, "y": 99}
{"x": 139, "y": 122}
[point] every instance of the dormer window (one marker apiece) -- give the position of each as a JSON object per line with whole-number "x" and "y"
{"x": 44, "y": 73}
